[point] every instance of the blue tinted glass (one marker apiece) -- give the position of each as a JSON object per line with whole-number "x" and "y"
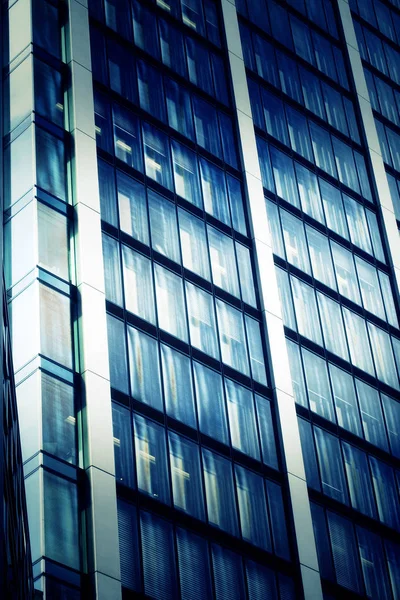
{"x": 144, "y": 368}
{"x": 187, "y": 486}
{"x": 252, "y": 508}
{"x": 151, "y": 459}
{"x": 221, "y": 507}
{"x": 210, "y": 403}
{"x": 178, "y": 386}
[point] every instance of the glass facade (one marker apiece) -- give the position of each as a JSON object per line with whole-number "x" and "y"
{"x": 206, "y": 307}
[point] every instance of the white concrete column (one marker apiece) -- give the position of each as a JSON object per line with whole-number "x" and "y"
{"x": 272, "y": 313}
{"x": 98, "y": 455}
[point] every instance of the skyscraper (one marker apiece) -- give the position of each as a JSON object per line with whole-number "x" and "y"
{"x": 202, "y": 263}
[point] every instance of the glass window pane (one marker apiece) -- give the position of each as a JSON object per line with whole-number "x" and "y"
{"x": 309, "y": 193}
{"x": 158, "y": 555}
{"x": 206, "y": 126}
{"x": 295, "y": 241}
{"x": 296, "y": 372}
{"x": 201, "y": 315}
{"x": 253, "y": 330}
{"x": 221, "y": 507}
{"x": 332, "y": 326}
{"x": 163, "y": 226}
{"x": 214, "y": 191}
{"x": 285, "y": 296}
{"x": 178, "y": 386}
{"x": 371, "y": 415}
{"x": 49, "y": 97}
{"x": 210, "y": 403}
{"x": 333, "y": 206}
{"x": 55, "y": 326}
{"x": 266, "y": 429}
{"x": 318, "y": 388}
{"x": 108, "y": 200}
{"x": 309, "y": 455}
{"x": 194, "y": 244}
{"x": 132, "y": 208}
{"x": 278, "y": 519}
{"x": 345, "y": 273}
{"x": 386, "y": 491}
{"x": 345, "y": 555}
{"x": 357, "y": 338}
{"x": 170, "y": 303}
{"x": 186, "y": 175}
{"x": 151, "y": 459}
{"x": 373, "y": 564}
{"x": 138, "y": 284}
{"x": 61, "y": 529}
{"x": 144, "y": 368}
{"x": 59, "y": 422}
{"x": 50, "y": 163}
{"x": 157, "y": 156}
{"x": 282, "y": 167}
{"x": 383, "y": 356}
{"x": 179, "y": 108}
{"x": 320, "y": 255}
{"x": 242, "y": 422}
{"x": 194, "y": 566}
{"x": 359, "y": 480}
{"x": 228, "y": 574}
{"x": 187, "y": 489}
{"x": 252, "y": 508}
{"x": 357, "y": 224}
{"x": 370, "y": 290}
{"x": 345, "y": 400}
{"x": 392, "y": 418}
{"x": 117, "y": 354}
{"x": 127, "y": 144}
{"x": 223, "y": 262}
{"x": 331, "y": 465}
{"x": 112, "y": 269}
{"x": 128, "y": 545}
{"x": 321, "y": 143}
{"x": 245, "y": 274}
{"x": 53, "y": 241}
{"x": 123, "y": 446}
{"x": 306, "y": 311}
{"x": 231, "y": 337}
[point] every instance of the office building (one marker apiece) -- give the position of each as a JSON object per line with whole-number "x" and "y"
{"x": 202, "y": 263}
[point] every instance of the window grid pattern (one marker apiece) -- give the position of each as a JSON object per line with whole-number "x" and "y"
{"x": 354, "y": 557}
{"x": 350, "y": 476}
{"x": 194, "y": 566}
{"x": 200, "y": 483}
{"x": 336, "y": 395}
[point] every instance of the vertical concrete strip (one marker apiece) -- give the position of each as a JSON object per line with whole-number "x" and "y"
{"x": 272, "y": 314}
{"x": 103, "y": 547}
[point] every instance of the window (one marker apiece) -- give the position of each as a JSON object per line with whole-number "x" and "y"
{"x": 178, "y": 386}
{"x": 242, "y": 422}
{"x": 210, "y": 403}
{"x": 232, "y": 339}
{"x": 144, "y": 368}
{"x": 252, "y": 508}
{"x": 151, "y": 460}
{"x": 201, "y": 316}
{"x": 187, "y": 486}
{"x": 170, "y": 303}
{"x": 123, "y": 448}
{"x": 138, "y": 284}
{"x": 218, "y": 479}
